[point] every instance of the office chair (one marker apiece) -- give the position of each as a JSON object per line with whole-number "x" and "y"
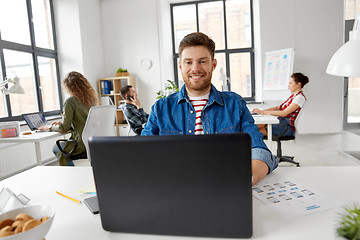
{"x": 67, "y": 155}
{"x": 278, "y": 139}
{"x": 130, "y": 131}
{"x": 279, "y": 156}
{"x": 99, "y": 122}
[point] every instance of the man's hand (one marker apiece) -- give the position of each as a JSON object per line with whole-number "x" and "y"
{"x": 136, "y": 102}
{"x": 259, "y": 170}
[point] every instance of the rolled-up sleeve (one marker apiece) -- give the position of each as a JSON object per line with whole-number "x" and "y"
{"x": 259, "y": 149}
{"x": 265, "y": 156}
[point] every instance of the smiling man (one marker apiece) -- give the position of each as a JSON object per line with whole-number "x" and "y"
{"x": 200, "y": 109}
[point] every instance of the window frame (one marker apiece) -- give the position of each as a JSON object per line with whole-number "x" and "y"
{"x": 35, "y": 52}
{"x": 226, "y": 51}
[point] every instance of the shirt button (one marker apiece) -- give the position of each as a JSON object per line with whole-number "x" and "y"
{"x": 191, "y": 111}
{"x": 190, "y": 131}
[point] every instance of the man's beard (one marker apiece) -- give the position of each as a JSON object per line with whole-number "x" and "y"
{"x": 198, "y": 85}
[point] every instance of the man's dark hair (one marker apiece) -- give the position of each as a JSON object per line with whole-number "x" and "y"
{"x": 124, "y": 90}
{"x": 300, "y": 78}
{"x": 197, "y": 39}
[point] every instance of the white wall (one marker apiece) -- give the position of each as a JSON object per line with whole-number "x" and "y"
{"x": 131, "y": 34}
{"x": 68, "y": 36}
{"x": 315, "y": 34}
{"x": 91, "y": 40}
{"x": 137, "y": 29}
{"x": 79, "y": 38}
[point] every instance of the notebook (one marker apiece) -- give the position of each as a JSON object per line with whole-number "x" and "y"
{"x": 35, "y": 120}
{"x": 182, "y": 185}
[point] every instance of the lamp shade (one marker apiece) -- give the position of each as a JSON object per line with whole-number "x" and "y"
{"x": 346, "y": 60}
{"x": 15, "y": 88}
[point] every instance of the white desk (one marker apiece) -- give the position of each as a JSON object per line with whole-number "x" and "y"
{"x": 269, "y": 120}
{"x": 74, "y": 221}
{"x": 36, "y": 138}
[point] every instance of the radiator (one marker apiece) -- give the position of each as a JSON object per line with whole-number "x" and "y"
{"x": 16, "y": 158}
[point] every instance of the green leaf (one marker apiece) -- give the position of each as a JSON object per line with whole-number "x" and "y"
{"x": 350, "y": 223}
{"x": 170, "y": 88}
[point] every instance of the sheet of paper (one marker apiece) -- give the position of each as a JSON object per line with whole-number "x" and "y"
{"x": 291, "y": 199}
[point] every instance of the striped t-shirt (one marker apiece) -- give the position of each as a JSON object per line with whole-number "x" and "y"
{"x": 199, "y": 104}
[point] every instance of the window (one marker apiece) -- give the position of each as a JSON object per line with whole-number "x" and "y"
{"x": 352, "y": 8}
{"x": 28, "y": 51}
{"x": 229, "y": 24}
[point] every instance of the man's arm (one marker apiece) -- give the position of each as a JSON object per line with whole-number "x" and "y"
{"x": 151, "y": 127}
{"x": 134, "y": 116}
{"x": 259, "y": 170}
{"x": 263, "y": 161}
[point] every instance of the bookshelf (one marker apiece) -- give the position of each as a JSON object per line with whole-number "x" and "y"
{"x": 111, "y": 87}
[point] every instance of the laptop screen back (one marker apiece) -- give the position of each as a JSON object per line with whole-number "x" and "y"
{"x": 35, "y": 120}
{"x": 174, "y": 185}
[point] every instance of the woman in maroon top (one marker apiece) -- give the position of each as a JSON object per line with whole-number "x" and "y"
{"x": 288, "y": 110}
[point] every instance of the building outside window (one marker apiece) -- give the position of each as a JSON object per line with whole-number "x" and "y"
{"x": 28, "y": 51}
{"x": 229, "y": 24}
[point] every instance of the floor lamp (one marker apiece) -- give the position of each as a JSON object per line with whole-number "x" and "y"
{"x": 346, "y": 60}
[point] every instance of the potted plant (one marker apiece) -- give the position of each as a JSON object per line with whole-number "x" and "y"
{"x": 170, "y": 87}
{"x": 350, "y": 224}
{"x": 121, "y": 72}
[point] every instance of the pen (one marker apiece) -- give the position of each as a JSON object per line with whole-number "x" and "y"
{"x": 75, "y": 200}
{"x": 62, "y": 115}
{"x": 86, "y": 192}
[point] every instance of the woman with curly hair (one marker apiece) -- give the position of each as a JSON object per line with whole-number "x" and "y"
{"x": 76, "y": 108}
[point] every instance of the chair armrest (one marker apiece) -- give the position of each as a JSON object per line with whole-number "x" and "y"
{"x": 282, "y": 134}
{"x": 66, "y": 140}
{"x": 276, "y": 138}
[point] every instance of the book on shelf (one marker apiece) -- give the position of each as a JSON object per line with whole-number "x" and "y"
{"x": 111, "y": 87}
{"x": 108, "y": 86}
{"x": 102, "y": 86}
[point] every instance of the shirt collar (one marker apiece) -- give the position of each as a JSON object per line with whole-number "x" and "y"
{"x": 214, "y": 96}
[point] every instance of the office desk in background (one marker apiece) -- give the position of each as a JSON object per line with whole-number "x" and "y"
{"x": 75, "y": 221}
{"x": 269, "y": 120}
{"x": 36, "y": 138}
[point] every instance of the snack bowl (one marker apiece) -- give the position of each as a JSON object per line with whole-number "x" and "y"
{"x": 37, "y": 212}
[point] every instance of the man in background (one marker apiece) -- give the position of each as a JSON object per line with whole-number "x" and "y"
{"x": 201, "y": 109}
{"x": 133, "y": 110}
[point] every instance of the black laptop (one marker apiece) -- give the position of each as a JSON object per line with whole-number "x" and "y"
{"x": 174, "y": 185}
{"x": 35, "y": 120}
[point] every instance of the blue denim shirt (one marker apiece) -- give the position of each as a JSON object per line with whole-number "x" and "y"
{"x": 225, "y": 112}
